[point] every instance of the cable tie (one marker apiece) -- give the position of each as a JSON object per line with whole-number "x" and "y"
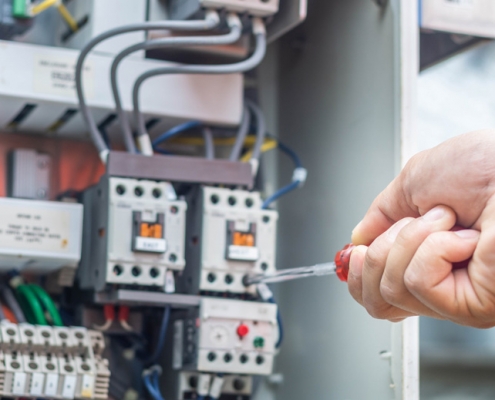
{"x": 300, "y": 175}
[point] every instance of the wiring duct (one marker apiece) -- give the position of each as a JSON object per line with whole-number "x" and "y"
{"x": 231, "y": 37}
{"x": 243, "y": 66}
{"x": 210, "y": 21}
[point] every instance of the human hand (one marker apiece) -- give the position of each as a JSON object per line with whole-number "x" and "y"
{"x": 460, "y": 174}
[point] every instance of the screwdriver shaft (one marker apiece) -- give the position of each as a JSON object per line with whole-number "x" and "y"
{"x": 291, "y": 274}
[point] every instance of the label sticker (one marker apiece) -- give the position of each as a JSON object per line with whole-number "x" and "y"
{"x": 51, "y": 385}
{"x": 37, "y": 380}
{"x": 243, "y": 253}
{"x": 38, "y": 229}
{"x": 19, "y": 384}
{"x": 56, "y": 76}
{"x": 69, "y": 387}
{"x": 151, "y": 245}
{"x": 87, "y": 386}
{"x": 169, "y": 282}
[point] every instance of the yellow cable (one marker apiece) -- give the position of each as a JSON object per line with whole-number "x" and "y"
{"x": 68, "y": 18}
{"x": 196, "y": 141}
{"x": 39, "y": 8}
{"x": 267, "y": 146}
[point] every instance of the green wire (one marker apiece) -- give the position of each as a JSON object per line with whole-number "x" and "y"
{"x": 48, "y": 304}
{"x": 30, "y": 305}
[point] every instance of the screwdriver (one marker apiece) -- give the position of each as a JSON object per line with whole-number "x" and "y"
{"x": 339, "y": 267}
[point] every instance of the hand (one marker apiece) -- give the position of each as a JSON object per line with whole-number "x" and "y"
{"x": 460, "y": 174}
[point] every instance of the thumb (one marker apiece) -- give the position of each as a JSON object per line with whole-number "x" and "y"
{"x": 390, "y": 206}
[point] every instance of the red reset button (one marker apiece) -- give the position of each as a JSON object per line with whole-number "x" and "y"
{"x": 242, "y": 330}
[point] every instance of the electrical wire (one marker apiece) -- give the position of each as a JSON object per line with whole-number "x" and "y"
{"x": 269, "y": 144}
{"x": 13, "y": 304}
{"x": 243, "y": 66}
{"x": 209, "y": 143}
{"x": 260, "y": 131}
{"x": 231, "y": 37}
{"x": 280, "y": 325}
{"x": 47, "y": 303}
{"x": 176, "y": 130}
{"x": 298, "y": 178}
{"x": 68, "y": 18}
{"x": 145, "y": 26}
{"x": 241, "y": 134}
{"x": 152, "y": 390}
{"x": 30, "y": 305}
{"x": 44, "y": 5}
{"x": 161, "y": 337}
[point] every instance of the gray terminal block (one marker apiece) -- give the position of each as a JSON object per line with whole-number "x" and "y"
{"x": 228, "y": 237}
{"x": 133, "y": 235}
{"x": 185, "y": 9}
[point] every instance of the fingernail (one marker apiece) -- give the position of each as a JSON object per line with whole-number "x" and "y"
{"x": 468, "y": 234}
{"x": 356, "y": 228}
{"x": 434, "y": 214}
{"x": 394, "y": 231}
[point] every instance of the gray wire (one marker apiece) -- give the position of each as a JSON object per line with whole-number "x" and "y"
{"x": 242, "y": 66}
{"x": 209, "y": 144}
{"x": 241, "y": 134}
{"x": 145, "y": 26}
{"x": 2, "y": 314}
{"x": 260, "y": 128}
{"x": 231, "y": 37}
{"x": 8, "y": 296}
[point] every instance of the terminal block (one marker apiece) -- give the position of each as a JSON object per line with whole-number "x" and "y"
{"x": 185, "y": 9}
{"x": 229, "y": 236}
{"x": 226, "y": 336}
{"x": 133, "y": 235}
{"x": 52, "y": 363}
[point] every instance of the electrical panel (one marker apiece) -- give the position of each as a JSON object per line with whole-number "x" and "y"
{"x": 229, "y": 236}
{"x": 469, "y": 17}
{"x": 227, "y": 336}
{"x": 184, "y": 9}
{"x": 133, "y": 235}
{"x": 233, "y": 387}
{"x": 39, "y": 236}
{"x": 52, "y": 363}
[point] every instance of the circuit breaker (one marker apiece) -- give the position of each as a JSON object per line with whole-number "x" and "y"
{"x": 52, "y": 363}
{"x": 233, "y": 387}
{"x": 229, "y": 236}
{"x": 133, "y": 235}
{"x": 39, "y": 236}
{"x": 226, "y": 336}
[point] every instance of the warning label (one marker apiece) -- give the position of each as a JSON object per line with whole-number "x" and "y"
{"x": 34, "y": 229}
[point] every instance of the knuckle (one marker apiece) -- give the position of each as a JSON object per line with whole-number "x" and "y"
{"x": 374, "y": 258}
{"x": 412, "y": 281}
{"x": 389, "y": 293}
{"x": 377, "y": 311}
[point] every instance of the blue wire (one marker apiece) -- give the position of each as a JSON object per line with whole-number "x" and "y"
{"x": 153, "y": 391}
{"x": 161, "y": 337}
{"x": 279, "y": 193}
{"x": 200, "y": 398}
{"x": 280, "y": 325}
{"x": 291, "y": 186}
{"x": 175, "y": 131}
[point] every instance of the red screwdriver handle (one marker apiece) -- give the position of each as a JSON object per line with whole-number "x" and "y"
{"x": 343, "y": 259}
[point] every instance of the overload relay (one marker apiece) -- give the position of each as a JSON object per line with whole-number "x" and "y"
{"x": 229, "y": 236}
{"x": 226, "y": 336}
{"x": 52, "y": 362}
{"x": 134, "y": 235}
